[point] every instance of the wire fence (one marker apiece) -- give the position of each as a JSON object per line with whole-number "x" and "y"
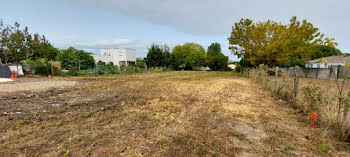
{"x": 329, "y": 98}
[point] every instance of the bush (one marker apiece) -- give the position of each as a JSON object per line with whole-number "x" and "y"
{"x": 100, "y": 72}
{"x": 85, "y": 72}
{"x": 72, "y": 72}
{"x": 312, "y": 98}
{"x": 218, "y": 62}
{"x": 238, "y": 68}
{"x": 272, "y": 72}
{"x": 42, "y": 69}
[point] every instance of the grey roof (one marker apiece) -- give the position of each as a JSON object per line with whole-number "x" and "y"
{"x": 331, "y": 59}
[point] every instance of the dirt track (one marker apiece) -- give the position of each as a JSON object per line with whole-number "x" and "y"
{"x": 33, "y": 85}
{"x": 158, "y": 114}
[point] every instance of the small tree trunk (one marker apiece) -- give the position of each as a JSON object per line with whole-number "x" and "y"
{"x": 51, "y": 68}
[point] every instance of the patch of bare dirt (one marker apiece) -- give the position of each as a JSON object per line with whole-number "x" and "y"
{"x": 33, "y": 85}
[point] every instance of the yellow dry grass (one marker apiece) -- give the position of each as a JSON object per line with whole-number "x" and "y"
{"x": 158, "y": 114}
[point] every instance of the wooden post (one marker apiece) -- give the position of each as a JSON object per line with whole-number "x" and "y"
{"x": 276, "y": 77}
{"x": 296, "y": 83}
{"x": 51, "y": 68}
{"x": 346, "y": 115}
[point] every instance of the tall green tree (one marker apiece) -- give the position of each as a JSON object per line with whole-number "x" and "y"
{"x": 18, "y": 44}
{"x": 72, "y": 58}
{"x": 68, "y": 58}
{"x": 321, "y": 51}
{"x": 214, "y": 49}
{"x": 216, "y": 60}
{"x": 158, "y": 56}
{"x": 188, "y": 56}
{"x": 272, "y": 43}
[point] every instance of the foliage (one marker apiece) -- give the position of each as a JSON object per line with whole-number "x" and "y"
{"x": 214, "y": 49}
{"x": 245, "y": 63}
{"x": 158, "y": 56}
{"x": 238, "y": 68}
{"x": 323, "y": 147}
{"x": 313, "y": 97}
{"x": 140, "y": 63}
{"x": 108, "y": 68}
{"x": 272, "y": 43}
{"x": 216, "y": 60}
{"x": 321, "y": 51}
{"x": 17, "y": 44}
{"x": 72, "y": 72}
{"x": 71, "y": 58}
{"x": 187, "y": 56}
{"x": 100, "y": 63}
{"x": 42, "y": 69}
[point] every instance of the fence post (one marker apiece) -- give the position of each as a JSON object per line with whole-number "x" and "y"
{"x": 296, "y": 83}
{"x": 51, "y": 66}
{"x": 276, "y": 77}
{"x": 346, "y": 115}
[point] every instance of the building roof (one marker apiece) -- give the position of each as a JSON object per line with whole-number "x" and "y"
{"x": 118, "y": 48}
{"x": 331, "y": 59}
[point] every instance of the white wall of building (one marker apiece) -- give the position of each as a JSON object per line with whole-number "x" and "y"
{"x": 336, "y": 64}
{"x": 116, "y": 56}
{"x": 323, "y": 65}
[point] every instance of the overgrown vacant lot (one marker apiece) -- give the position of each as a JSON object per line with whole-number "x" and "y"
{"x": 157, "y": 114}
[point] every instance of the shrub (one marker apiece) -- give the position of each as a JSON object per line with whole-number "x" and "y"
{"x": 42, "y": 69}
{"x": 85, "y": 72}
{"x": 72, "y": 72}
{"x": 100, "y": 72}
{"x": 238, "y": 68}
{"x": 312, "y": 98}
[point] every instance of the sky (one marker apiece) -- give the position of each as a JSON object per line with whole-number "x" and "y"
{"x": 94, "y": 24}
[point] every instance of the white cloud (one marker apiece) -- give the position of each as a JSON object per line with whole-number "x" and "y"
{"x": 96, "y": 43}
{"x": 217, "y": 16}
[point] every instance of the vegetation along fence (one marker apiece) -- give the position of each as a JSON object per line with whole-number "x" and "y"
{"x": 332, "y": 72}
{"x": 330, "y": 99}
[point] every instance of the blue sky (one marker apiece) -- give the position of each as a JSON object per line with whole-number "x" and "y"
{"x": 95, "y": 24}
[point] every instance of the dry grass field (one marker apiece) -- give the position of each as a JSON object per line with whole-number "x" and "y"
{"x": 157, "y": 114}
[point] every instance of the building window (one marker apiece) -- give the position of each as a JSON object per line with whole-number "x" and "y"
{"x": 318, "y": 65}
{"x": 312, "y": 65}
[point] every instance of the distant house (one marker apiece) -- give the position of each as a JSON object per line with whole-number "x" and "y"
{"x": 232, "y": 66}
{"x": 326, "y": 62}
{"x": 118, "y": 56}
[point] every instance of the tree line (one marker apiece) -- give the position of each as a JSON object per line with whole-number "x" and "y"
{"x": 274, "y": 44}
{"x": 189, "y": 56}
{"x": 18, "y": 45}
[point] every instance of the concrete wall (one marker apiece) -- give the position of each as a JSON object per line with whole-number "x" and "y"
{"x": 324, "y": 73}
{"x": 317, "y": 73}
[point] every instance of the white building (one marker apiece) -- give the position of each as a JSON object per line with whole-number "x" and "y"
{"x": 119, "y": 56}
{"x": 232, "y": 66}
{"x": 326, "y": 62}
